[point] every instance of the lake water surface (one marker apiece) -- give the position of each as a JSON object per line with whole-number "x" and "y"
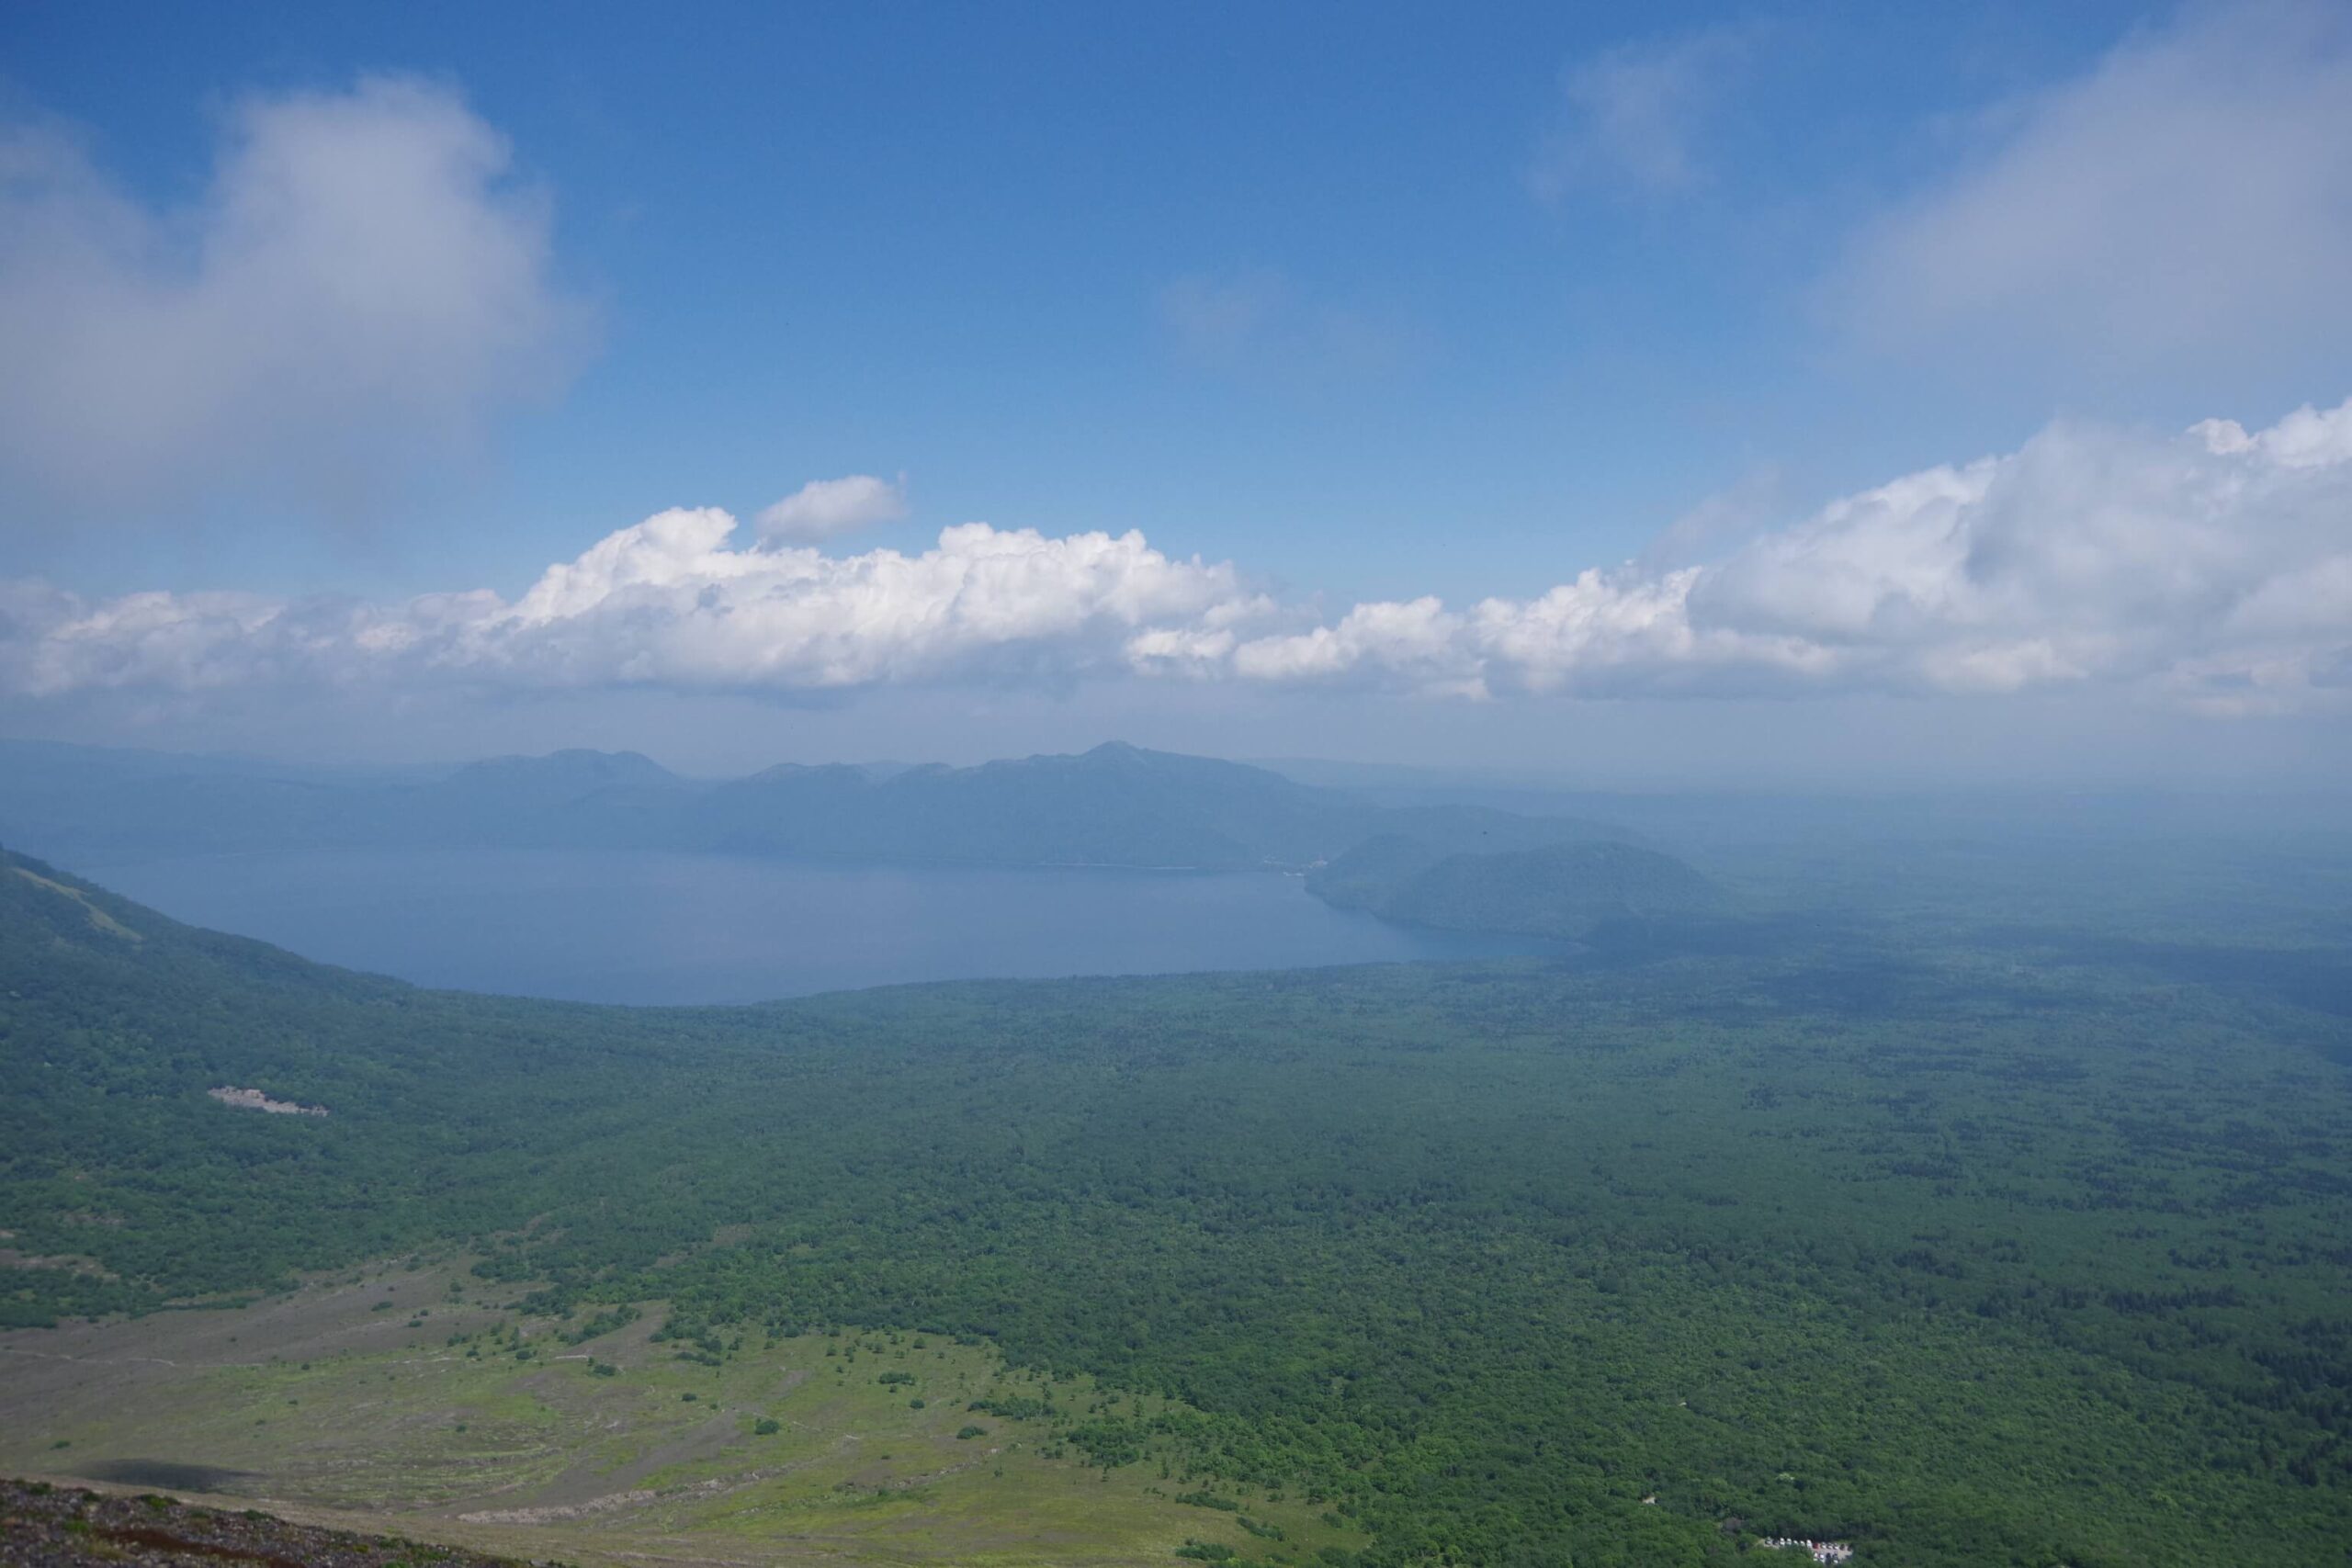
{"x": 678, "y": 929}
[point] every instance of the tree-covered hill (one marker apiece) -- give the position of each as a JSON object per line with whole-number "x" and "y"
{"x": 1562, "y": 890}
{"x": 2031, "y": 1254}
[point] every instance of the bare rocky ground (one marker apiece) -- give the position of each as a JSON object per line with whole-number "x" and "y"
{"x": 41, "y": 1524}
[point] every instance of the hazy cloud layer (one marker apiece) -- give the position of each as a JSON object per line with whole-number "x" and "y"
{"x": 2212, "y": 568}
{"x": 2188, "y": 200}
{"x": 362, "y": 287}
{"x": 1257, "y": 322}
{"x": 1633, "y": 116}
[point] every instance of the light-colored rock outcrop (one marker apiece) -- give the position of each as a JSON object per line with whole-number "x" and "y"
{"x": 253, "y": 1100}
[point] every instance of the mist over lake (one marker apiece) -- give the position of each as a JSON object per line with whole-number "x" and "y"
{"x": 660, "y": 929}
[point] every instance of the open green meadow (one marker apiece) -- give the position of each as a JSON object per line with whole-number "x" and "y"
{"x": 411, "y": 1399}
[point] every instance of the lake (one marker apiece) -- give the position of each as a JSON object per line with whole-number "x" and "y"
{"x": 660, "y": 929}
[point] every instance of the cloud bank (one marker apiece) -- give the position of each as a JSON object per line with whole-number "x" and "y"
{"x": 2211, "y": 569}
{"x": 364, "y": 286}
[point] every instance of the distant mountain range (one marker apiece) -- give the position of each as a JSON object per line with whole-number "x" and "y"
{"x": 1462, "y": 867}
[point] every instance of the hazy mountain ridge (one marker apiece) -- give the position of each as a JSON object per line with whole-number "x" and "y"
{"x": 1115, "y": 806}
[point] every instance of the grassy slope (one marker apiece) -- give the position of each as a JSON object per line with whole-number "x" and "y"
{"x": 426, "y": 1417}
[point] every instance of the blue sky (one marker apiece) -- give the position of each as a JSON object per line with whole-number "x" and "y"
{"x": 1377, "y": 304}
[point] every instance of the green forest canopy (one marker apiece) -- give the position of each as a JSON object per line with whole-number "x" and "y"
{"x": 2032, "y": 1253}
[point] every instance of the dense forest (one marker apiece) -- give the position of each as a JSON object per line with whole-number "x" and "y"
{"x": 2031, "y": 1248}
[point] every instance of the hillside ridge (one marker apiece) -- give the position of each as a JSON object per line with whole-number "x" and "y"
{"x": 1115, "y": 805}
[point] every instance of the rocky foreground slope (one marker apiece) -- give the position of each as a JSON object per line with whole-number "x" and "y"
{"x": 42, "y": 1526}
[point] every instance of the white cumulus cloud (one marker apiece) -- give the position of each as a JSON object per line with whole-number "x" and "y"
{"x": 668, "y": 602}
{"x": 363, "y": 286}
{"x": 2211, "y": 569}
{"x": 822, "y": 509}
{"x": 2214, "y": 566}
